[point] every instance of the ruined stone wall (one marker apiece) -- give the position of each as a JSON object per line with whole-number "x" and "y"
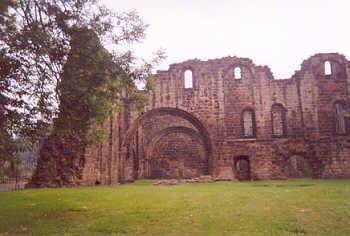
{"x": 235, "y": 112}
{"x": 101, "y": 162}
{"x": 292, "y": 122}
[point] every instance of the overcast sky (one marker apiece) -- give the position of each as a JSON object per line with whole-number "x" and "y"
{"x": 277, "y": 33}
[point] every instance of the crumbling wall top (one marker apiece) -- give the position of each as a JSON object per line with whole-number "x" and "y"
{"x": 313, "y": 65}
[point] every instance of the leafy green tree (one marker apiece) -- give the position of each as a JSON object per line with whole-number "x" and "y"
{"x": 35, "y": 42}
{"x": 91, "y": 87}
{"x": 55, "y": 71}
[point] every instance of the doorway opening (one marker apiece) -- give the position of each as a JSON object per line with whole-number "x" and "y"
{"x": 242, "y": 167}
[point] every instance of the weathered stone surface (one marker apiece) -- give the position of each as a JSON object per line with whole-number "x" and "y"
{"x": 227, "y": 126}
{"x": 61, "y": 163}
{"x": 225, "y": 172}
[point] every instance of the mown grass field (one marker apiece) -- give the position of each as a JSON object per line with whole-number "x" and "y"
{"x": 293, "y": 207}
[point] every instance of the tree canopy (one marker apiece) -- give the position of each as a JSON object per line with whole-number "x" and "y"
{"x": 55, "y": 65}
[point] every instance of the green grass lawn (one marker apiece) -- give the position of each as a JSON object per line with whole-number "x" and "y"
{"x": 293, "y": 207}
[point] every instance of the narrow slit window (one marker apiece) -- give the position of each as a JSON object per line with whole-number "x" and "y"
{"x": 248, "y": 123}
{"x": 237, "y": 73}
{"x": 340, "y": 119}
{"x": 188, "y": 79}
{"x": 278, "y": 120}
{"x": 327, "y": 68}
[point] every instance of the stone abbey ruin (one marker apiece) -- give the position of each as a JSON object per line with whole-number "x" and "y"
{"x": 227, "y": 118}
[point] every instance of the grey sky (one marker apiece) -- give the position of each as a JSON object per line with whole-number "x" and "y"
{"x": 277, "y": 33}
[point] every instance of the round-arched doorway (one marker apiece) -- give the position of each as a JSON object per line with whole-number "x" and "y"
{"x": 166, "y": 143}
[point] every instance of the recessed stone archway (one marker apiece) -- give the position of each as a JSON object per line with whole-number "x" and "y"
{"x": 176, "y": 152}
{"x": 174, "y": 112}
{"x": 133, "y": 163}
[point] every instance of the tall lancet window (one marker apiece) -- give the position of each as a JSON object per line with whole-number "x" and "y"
{"x": 341, "y": 119}
{"x": 188, "y": 79}
{"x": 248, "y": 123}
{"x": 327, "y": 68}
{"x": 278, "y": 116}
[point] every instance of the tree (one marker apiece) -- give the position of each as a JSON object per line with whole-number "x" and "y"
{"x": 90, "y": 88}
{"x": 4, "y": 7}
{"x": 35, "y": 39}
{"x": 46, "y": 74}
{"x": 6, "y": 144}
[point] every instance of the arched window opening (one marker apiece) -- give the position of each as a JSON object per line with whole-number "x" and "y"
{"x": 248, "y": 123}
{"x": 278, "y": 120}
{"x": 327, "y": 68}
{"x": 188, "y": 79}
{"x": 237, "y": 73}
{"x": 341, "y": 119}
